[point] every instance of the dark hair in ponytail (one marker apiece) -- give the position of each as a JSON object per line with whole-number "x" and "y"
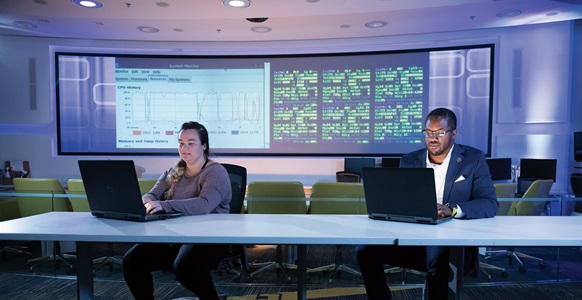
{"x": 180, "y": 167}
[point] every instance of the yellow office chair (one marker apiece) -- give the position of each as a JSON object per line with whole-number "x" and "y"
{"x": 146, "y": 184}
{"x": 33, "y": 205}
{"x": 538, "y": 189}
{"x": 337, "y": 198}
{"x": 8, "y": 211}
{"x": 276, "y": 197}
{"x": 502, "y": 190}
{"x": 76, "y": 187}
{"x": 505, "y": 190}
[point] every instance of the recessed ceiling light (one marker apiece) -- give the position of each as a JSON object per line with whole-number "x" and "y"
{"x": 345, "y": 26}
{"x": 261, "y": 29}
{"x": 148, "y": 29}
{"x": 552, "y": 13}
{"x": 162, "y": 4}
{"x": 42, "y": 2}
{"x": 237, "y": 3}
{"x": 88, "y": 3}
{"x": 24, "y": 24}
{"x": 510, "y": 13}
{"x": 376, "y": 24}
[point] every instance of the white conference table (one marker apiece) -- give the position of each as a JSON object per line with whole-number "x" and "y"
{"x": 300, "y": 230}
{"x": 534, "y": 231}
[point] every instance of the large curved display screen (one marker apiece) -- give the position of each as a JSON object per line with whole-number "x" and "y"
{"x": 364, "y": 104}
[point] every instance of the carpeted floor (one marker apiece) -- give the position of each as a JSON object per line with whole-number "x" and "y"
{"x": 560, "y": 279}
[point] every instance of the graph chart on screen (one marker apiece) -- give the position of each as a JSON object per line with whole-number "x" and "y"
{"x": 152, "y": 104}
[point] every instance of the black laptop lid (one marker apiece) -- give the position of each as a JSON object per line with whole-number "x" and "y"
{"x": 112, "y": 186}
{"x": 401, "y": 194}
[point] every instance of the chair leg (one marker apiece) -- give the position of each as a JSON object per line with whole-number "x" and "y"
{"x": 278, "y": 263}
{"x": 4, "y": 248}
{"x": 344, "y": 268}
{"x": 483, "y": 267}
{"x": 110, "y": 259}
{"x": 336, "y": 267}
{"x": 519, "y": 256}
{"x": 55, "y": 257}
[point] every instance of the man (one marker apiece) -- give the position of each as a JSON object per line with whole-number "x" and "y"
{"x": 464, "y": 190}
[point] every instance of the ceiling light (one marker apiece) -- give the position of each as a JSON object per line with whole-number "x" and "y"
{"x": 24, "y": 24}
{"x": 237, "y": 3}
{"x": 148, "y": 29}
{"x": 510, "y": 13}
{"x": 261, "y": 29}
{"x": 376, "y": 24}
{"x": 88, "y": 3}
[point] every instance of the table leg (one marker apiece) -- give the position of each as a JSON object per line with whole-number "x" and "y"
{"x": 301, "y": 273}
{"x": 456, "y": 267}
{"x": 84, "y": 271}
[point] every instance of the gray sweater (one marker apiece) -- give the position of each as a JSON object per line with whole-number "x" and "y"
{"x": 209, "y": 191}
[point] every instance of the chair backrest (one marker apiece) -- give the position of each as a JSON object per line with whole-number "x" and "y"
{"x": 146, "y": 184}
{"x": 538, "y": 189}
{"x": 576, "y": 185}
{"x": 504, "y": 190}
{"x": 30, "y": 205}
{"x": 268, "y": 197}
{"x": 76, "y": 187}
{"x": 337, "y": 198}
{"x": 238, "y": 183}
{"x": 9, "y": 209}
{"x": 345, "y": 176}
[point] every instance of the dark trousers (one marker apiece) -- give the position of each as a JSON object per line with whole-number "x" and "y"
{"x": 434, "y": 260}
{"x": 191, "y": 265}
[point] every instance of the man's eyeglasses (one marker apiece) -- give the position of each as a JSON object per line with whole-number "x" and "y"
{"x": 435, "y": 134}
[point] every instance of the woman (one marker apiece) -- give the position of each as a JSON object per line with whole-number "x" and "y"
{"x": 195, "y": 186}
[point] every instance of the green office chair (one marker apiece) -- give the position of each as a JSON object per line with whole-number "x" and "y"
{"x": 505, "y": 190}
{"x": 502, "y": 190}
{"x": 76, "y": 187}
{"x": 146, "y": 184}
{"x": 8, "y": 211}
{"x": 538, "y": 189}
{"x": 276, "y": 197}
{"x": 33, "y": 205}
{"x": 337, "y": 198}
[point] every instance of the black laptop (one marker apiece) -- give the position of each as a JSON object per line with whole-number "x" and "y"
{"x": 401, "y": 194}
{"x": 113, "y": 191}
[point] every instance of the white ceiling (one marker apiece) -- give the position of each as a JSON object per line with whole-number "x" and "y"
{"x": 210, "y": 20}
